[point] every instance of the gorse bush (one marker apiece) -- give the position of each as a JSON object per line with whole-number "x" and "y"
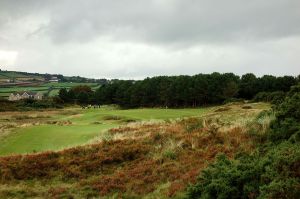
{"x": 34, "y": 104}
{"x": 28, "y": 104}
{"x": 272, "y": 171}
{"x": 6, "y": 105}
{"x": 276, "y": 97}
{"x": 274, "y": 175}
{"x": 287, "y": 123}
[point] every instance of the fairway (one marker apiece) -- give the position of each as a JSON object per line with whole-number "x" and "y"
{"x": 83, "y": 126}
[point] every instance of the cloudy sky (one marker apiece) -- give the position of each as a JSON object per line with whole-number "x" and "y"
{"x": 140, "y": 38}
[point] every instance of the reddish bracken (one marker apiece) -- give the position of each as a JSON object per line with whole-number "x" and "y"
{"x": 135, "y": 166}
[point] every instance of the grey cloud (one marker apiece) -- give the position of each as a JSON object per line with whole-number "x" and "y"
{"x": 176, "y": 21}
{"x": 229, "y": 36}
{"x": 170, "y": 21}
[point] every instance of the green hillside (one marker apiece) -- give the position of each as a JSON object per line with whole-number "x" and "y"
{"x": 14, "y": 81}
{"x": 4, "y": 75}
{"x": 52, "y": 88}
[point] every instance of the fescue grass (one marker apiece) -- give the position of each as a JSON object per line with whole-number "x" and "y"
{"x": 154, "y": 159}
{"x": 36, "y": 132}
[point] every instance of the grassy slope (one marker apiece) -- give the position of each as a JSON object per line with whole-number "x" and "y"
{"x": 9, "y": 74}
{"x": 55, "y": 137}
{"x": 67, "y": 84}
{"x": 152, "y": 160}
{"x": 44, "y": 88}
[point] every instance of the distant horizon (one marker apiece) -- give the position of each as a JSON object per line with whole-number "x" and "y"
{"x": 141, "y": 78}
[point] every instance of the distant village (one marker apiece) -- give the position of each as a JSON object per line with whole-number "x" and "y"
{"x": 21, "y": 95}
{"x": 15, "y": 85}
{"x": 25, "y": 95}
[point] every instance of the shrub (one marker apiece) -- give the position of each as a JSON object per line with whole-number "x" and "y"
{"x": 273, "y": 171}
{"x": 28, "y": 104}
{"x": 6, "y": 105}
{"x": 287, "y": 123}
{"x": 274, "y": 175}
{"x": 273, "y": 97}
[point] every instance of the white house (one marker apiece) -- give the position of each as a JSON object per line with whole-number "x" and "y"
{"x": 25, "y": 95}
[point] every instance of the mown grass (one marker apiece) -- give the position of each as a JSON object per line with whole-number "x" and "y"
{"x": 74, "y": 126}
{"x": 49, "y": 137}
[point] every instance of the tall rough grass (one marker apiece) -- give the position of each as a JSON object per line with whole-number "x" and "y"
{"x": 134, "y": 160}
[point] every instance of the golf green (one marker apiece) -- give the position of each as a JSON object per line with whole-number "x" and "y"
{"x": 83, "y": 126}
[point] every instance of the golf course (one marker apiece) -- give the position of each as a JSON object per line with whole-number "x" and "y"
{"x": 34, "y": 131}
{"x": 207, "y": 135}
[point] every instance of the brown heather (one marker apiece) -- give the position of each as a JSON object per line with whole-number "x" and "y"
{"x": 146, "y": 157}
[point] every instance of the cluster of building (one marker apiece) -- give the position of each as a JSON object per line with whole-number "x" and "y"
{"x": 54, "y": 79}
{"x": 25, "y": 95}
{"x": 30, "y": 94}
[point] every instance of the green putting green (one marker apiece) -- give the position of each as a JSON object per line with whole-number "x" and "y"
{"x": 83, "y": 126}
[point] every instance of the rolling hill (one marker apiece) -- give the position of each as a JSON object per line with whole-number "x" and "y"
{"x": 14, "y": 81}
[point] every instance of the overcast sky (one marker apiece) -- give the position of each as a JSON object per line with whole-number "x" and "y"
{"x": 141, "y": 38}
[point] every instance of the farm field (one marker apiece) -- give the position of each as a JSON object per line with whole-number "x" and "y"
{"x": 55, "y": 130}
{"x": 12, "y": 74}
{"x": 50, "y": 89}
{"x": 18, "y": 76}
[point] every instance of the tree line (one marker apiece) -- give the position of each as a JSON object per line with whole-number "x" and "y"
{"x": 179, "y": 91}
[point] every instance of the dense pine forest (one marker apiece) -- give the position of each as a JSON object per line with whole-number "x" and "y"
{"x": 183, "y": 91}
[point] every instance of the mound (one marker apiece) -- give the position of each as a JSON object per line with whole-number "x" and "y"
{"x": 150, "y": 158}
